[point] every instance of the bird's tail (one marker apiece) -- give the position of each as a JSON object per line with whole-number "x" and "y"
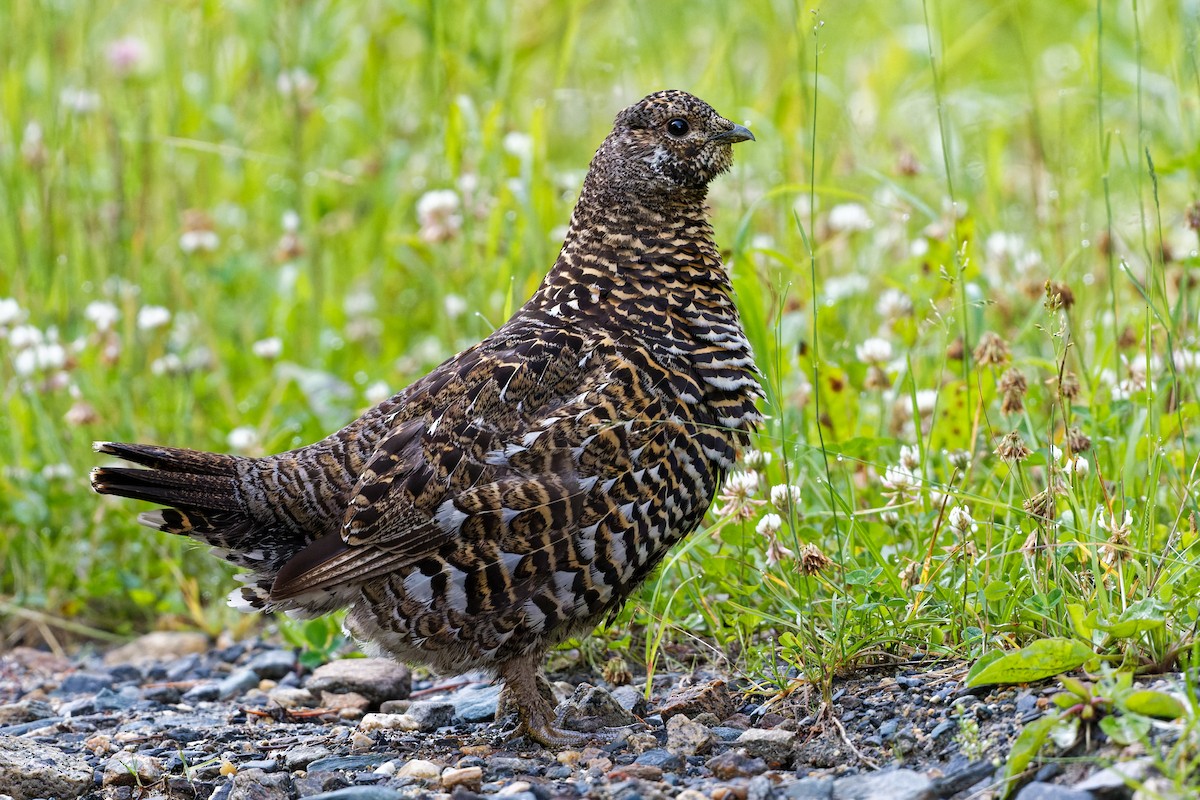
{"x": 205, "y": 501}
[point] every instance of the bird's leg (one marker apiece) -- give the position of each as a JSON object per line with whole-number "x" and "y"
{"x": 528, "y": 692}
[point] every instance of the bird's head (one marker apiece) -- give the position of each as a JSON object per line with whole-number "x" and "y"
{"x": 667, "y": 142}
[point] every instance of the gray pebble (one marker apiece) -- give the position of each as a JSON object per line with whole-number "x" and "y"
{"x": 202, "y": 693}
{"x": 431, "y": 714}
{"x": 236, "y": 683}
{"x": 662, "y": 759}
{"x": 896, "y": 784}
{"x": 30, "y": 769}
{"x": 1051, "y": 791}
{"x": 273, "y": 664}
{"x": 358, "y": 793}
{"x": 944, "y": 729}
{"x": 333, "y": 763}
{"x": 476, "y": 703}
{"x": 809, "y": 789}
{"x": 85, "y": 683}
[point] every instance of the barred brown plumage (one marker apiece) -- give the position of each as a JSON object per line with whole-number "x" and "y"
{"x": 523, "y": 489}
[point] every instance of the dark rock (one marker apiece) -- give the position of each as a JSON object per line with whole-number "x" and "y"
{"x": 1051, "y": 791}
{"x": 202, "y": 693}
{"x": 254, "y": 784}
{"x": 592, "y": 708}
{"x": 727, "y": 734}
{"x": 263, "y": 764}
{"x": 735, "y": 764}
{"x": 123, "y": 700}
{"x": 358, "y": 793}
{"x": 774, "y": 745}
{"x": 236, "y": 683}
{"x": 944, "y": 729}
{"x": 630, "y": 698}
{"x": 809, "y": 789}
{"x": 346, "y": 763}
{"x": 24, "y": 711}
{"x": 272, "y": 664}
{"x": 897, "y": 784}
{"x": 163, "y": 693}
{"x": 84, "y": 683}
{"x": 125, "y": 673}
{"x": 963, "y": 778}
{"x": 476, "y": 703}
{"x": 431, "y": 714}
{"x": 662, "y": 759}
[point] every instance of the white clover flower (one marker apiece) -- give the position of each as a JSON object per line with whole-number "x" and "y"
{"x": 10, "y": 312}
{"x": 24, "y": 336}
{"x": 438, "y": 214}
{"x": 769, "y": 526}
{"x": 741, "y": 483}
{"x": 152, "y": 317}
{"x": 360, "y": 302}
{"x": 874, "y": 351}
{"x": 57, "y": 472}
{"x": 377, "y": 392}
{"x": 892, "y": 304}
{"x": 1110, "y": 524}
{"x": 910, "y": 457}
{"x": 849, "y": 218}
{"x": 900, "y": 482}
{"x": 200, "y": 240}
{"x": 1079, "y": 466}
{"x": 756, "y": 459}
{"x": 785, "y": 496}
{"x": 33, "y": 144}
{"x": 167, "y": 364}
{"x": 454, "y": 305}
{"x": 79, "y": 101}
{"x": 926, "y": 401}
{"x": 127, "y": 55}
{"x": 40, "y": 357}
{"x": 290, "y": 221}
{"x": 269, "y": 348}
{"x": 960, "y": 519}
{"x": 102, "y": 314}
{"x": 242, "y": 438}
{"x": 1002, "y": 246}
{"x": 518, "y": 144}
{"x": 840, "y": 287}
{"x": 1056, "y": 453}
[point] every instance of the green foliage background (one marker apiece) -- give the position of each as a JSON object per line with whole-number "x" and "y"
{"x": 991, "y": 146}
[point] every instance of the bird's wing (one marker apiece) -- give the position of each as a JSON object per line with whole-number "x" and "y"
{"x": 494, "y": 461}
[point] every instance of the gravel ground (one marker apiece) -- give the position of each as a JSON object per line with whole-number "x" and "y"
{"x": 169, "y": 716}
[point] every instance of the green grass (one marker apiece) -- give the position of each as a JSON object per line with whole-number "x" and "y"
{"x": 921, "y": 172}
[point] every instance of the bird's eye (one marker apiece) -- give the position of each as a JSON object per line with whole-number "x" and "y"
{"x": 678, "y": 127}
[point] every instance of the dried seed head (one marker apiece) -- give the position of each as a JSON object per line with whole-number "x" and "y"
{"x": 1014, "y": 386}
{"x": 1012, "y": 448}
{"x": 1068, "y": 386}
{"x": 1041, "y": 506}
{"x": 991, "y": 350}
{"x": 1193, "y": 216}
{"x": 812, "y": 560}
{"x": 1077, "y": 441}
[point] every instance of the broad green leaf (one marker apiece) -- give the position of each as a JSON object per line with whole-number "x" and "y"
{"x": 1125, "y": 729}
{"x": 1075, "y": 686}
{"x": 1080, "y": 621}
{"x": 984, "y": 661}
{"x": 997, "y": 590}
{"x": 1028, "y": 744}
{"x": 1151, "y": 703}
{"x": 1040, "y": 659}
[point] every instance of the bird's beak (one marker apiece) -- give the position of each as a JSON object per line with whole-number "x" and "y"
{"x": 738, "y": 133}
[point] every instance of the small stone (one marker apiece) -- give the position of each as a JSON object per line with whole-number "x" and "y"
{"x": 470, "y": 778}
{"x": 360, "y": 742}
{"x": 1051, "y": 791}
{"x": 1158, "y": 788}
{"x": 631, "y": 698}
{"x": 85, "y": 683}
{"x": 342, "y": 701}
{"x": 688, "y": 738}
{"x": 29, "y": 769}
{"x": 24, "y": 711}
{"x": 591, "y": 708}
{"x": 944, "y": 729}
{"x": 236, "y": 683}
{"x": 773, "y": 745}
{"x": 158, "y": 646}
{"x": 358, "y": 793}
{"x": 346, "y": 763}
{"x": 291, "y": 697}
{"x": 431, "y": 714}
{"x": 897, "y": 784}
{"x": 1117, "y": 777}
{"x": 723, "y": 792}
{"x": 131, "y": 769}
{"x": 661, "y": 759}
{"x": 735, "y": 764}
{"x": 809, "y": 789}
{"x": 273, "y": 664}
{"x": 387, "y": 722}
{"x": 476, "y": 703}
{"x": 202, "y": 693}
{"x": 254, "y": 784}
{"x": 420, "y": 769}
{"x": 377, "y": 679}
{"x": 394, "y": 706}
{"x": 164, "y": 693}
{"x": 644, "y": 772}
{"x": 712, "y": 697}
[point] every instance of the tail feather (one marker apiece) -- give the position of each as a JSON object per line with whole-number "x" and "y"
{"x": 205, "y": 499}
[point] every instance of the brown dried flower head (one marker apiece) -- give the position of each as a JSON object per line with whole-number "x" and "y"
{"x": 1068, "y": 386}
{"x": 812, "y": 560}
{"x": 1014, "y": 386}
{"x": 1077, "y": 441}
{"x": 992, "y": 350}
{"x": 1059, "y": 295}
{"x": 1012, "y": 448}
{"x": 1041, "y": 506}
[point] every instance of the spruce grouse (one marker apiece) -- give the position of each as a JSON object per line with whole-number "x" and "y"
{"x": 520, "y": 492}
